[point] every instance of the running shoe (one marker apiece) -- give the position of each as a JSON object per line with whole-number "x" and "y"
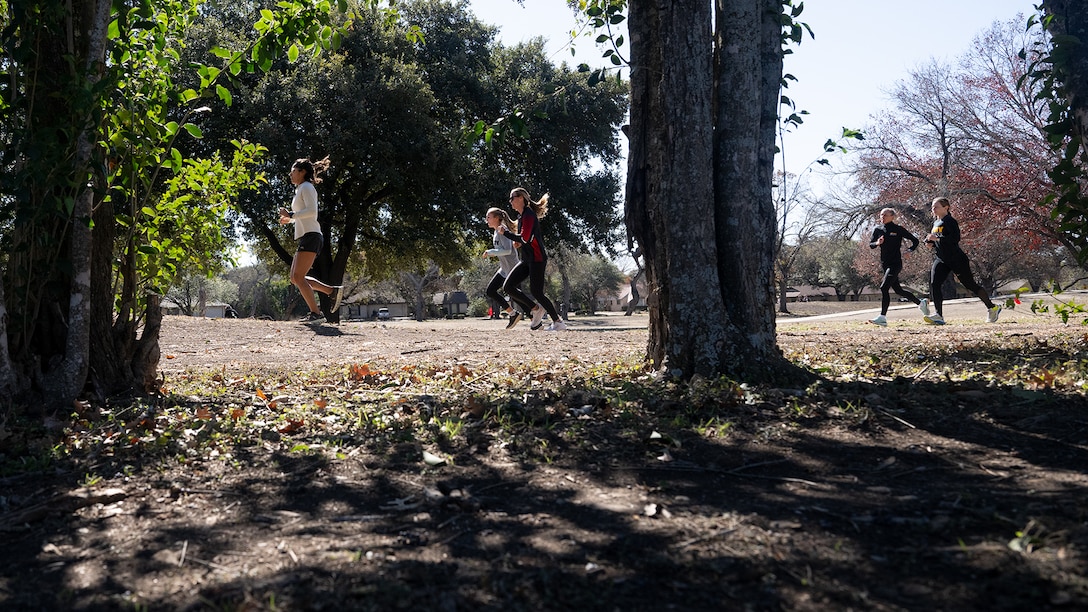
{"x": 515, "y": 316}
{"x": 313, "y": 317}
{"x": 923, "y": 306}
{"x": 935, "y": 319}
{"x": 880, "y": 320}
{"x": 992, "y": 314}
{"x": 336, "y": 296}
{"x": 538, "y": 316}
{"x": 557, "y": 326}
{"x": 314, "y": 279}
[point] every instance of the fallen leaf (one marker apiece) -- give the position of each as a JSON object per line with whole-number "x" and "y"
{"x": 320, "y": 403}
{"x": 292, "y": 426}
{"x": 237, "y": 413}
{"x": 359, "y": 372}
{"x": 261, "y": 395}
{"x": 474, "y": 406}
{"x": 203, "y": 413}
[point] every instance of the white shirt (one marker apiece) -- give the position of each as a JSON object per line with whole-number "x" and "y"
{"x": 304, "y": 207}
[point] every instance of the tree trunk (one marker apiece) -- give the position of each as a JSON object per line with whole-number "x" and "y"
{"x": 749, "y": 70}
{"x": 632, "y": 303}
{"x": 670, "y": 184}
{"x": 1070, "y": 18}
{"x": 66, "y": 377}
{"x": 711, "y": 284}
{"x": 8, "y": 379}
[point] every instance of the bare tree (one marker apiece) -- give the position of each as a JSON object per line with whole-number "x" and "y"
{"x": 798, "y": 221}
{"x": 417, "y": 284}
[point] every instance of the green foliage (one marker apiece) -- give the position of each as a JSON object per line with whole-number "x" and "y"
{"x": 601, "y": 16}
{"x": 184, "y": 229}
{"x": 1064, "y": 309}
{"x": 155, "y": 207}
{"x": 401, "y": 174}
{"x": 590, "y": 277}
{"x": 1055, "y": 68}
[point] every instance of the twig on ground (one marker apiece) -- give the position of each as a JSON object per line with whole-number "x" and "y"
{"x": 896, "y": 418}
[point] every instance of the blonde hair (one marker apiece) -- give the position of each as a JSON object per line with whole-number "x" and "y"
{"x": 884, "y": 211}
{"x": 540, "y": 207}
{"x": 507, "y": 222}
{"x": 943, "y": 201}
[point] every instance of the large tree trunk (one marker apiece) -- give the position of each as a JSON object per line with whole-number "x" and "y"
{"x": 1070, "y": 18}
{"x": 670, "y": 184}
{"x": 8, "y": 378}
{"x": 699, "y": 181}
{"x": 73, "y": 372}
{"x": 749, "y": 70}
{"x": 632, "y": 303}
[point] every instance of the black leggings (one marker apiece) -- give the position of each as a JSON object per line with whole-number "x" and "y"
{"x": 493, "y": 289}
{"x": 939, "y": 274}
{"x": 891, "y": 283}
{"x": 534, "y": 271}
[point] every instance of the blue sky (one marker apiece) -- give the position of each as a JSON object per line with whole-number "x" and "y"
{"x": 861, "y": 49}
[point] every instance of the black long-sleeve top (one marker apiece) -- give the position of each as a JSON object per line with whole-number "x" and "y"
{"x": 947, "y": 244}
{"x": 891, "y": 250}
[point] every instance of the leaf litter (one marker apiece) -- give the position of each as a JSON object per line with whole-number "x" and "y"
{"x": 940, "y": 475}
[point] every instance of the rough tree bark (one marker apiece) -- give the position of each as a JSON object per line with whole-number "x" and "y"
{"x": 73, "y": 373}
{"x": 7, "y": 371}
{"x": 1070, "y": 18}
{"x": 704, "y": 98}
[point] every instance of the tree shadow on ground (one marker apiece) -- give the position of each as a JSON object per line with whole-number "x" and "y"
{"x": 905, "y": 495}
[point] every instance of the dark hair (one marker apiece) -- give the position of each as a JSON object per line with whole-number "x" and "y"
{"x": 311, "y": 169}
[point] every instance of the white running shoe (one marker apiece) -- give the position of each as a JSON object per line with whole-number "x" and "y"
{"x": 538, "y": 315}
{"x": 992, "y": 314}
{"x": 557, "y": 326}
{"x": 923, "y": 306}
{"x": 935, "y": 319}
{"x": 336, "y": 297}
{"x": 880, "y": 320}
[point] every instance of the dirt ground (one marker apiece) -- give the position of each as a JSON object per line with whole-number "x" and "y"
{"x": 898, "y": 483}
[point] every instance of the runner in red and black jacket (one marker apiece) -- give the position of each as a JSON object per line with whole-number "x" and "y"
{"x": 534, "y": 260}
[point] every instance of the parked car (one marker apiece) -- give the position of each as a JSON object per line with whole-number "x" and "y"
{"x": 383, "y": 314}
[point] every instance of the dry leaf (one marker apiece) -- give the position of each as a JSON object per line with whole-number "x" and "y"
{"x": 203, "y": 413}
{"x": 261, "y": 395}
{"x": 320, "y": 403}
{"x": 292, "y": 426}
{"x": 359, "y": 372}
{"x": 237, "y": 413}
{"x": 474, "y": 406}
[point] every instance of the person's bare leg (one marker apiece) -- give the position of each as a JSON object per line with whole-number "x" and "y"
{"x": 300, "y": 265}
{"x": 319, "y": 286}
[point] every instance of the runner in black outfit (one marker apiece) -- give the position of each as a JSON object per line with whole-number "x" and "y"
{"x": 945, "y": 238}
{"x": 889, "y": 237}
